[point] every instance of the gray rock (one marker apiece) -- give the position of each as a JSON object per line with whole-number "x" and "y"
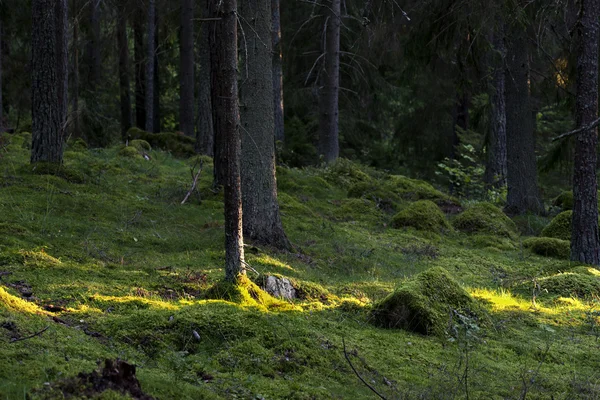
{"x": 280, "y": 287}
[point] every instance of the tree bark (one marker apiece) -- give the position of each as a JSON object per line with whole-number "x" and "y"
{"x": 186, "y": 76}
{"x": 1, "y": 107}
{"x": 522, "y": 178}
{"x": 140, "y": 71}
{"x": 329, "y": 146}
{"x": 62, "y": 59}
{"x": 156, "y": 109}
{"x": 46, "y": 141}
{"x": 277, "y": 71}
{"x": 205, "y": 134}
{"x": 262, "y": 221}
{"x": 124, "y": 84}
{"x": 225, "y": 101}
{"x": 495, "y": 168}
{"x": 151, "y": 54}
{"x": 75, "y": 88}
{"x": 585, "y": 244}
{"x": 96, "y": 63}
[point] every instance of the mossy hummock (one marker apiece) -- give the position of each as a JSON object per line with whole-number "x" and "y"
{"x": 549, "y": 247}
{"x": 423, "y": 215}
{"x": 485, "y": 218}
{"x": 560, "y": 226}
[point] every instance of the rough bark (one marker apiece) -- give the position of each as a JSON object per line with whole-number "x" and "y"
{"x": 224, "y": 78}
{"x": 124, "y": 84}
{"x": 75, "y": 88}
{"x": 495, "y": 167}
{"x": 140, "y": 71}
{"x": 277, "y": 71}
{"x": 186, "y": 76}
{"x": 156, "y": 109}
{"x": 151, "y": 54}
{"x": 1, "y": 107}
{"x": 329, "y": 147}
{"x": 585, "y": 245}
{"x": 522, "y": 178}
{"x": 46, "y": 141}
{"x": 220, "y": 156}
{"x": 205, "y": 133}
{"x": 62, "y": 59}
{"x": 96, "y": 60}
{"x": 262, "y": 221}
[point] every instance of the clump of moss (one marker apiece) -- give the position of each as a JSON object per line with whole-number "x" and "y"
{"x": 423, "y": 215}
{"x": 549, "y": 247}
{"x": 583, "y": 270}
{"x": 77, "y": 145}
{"x": 177, "y": 144}
{"x": 14, "y": 303}
{"x": 482, "y": 241}
{"x": 129, "y": 152}
{"x": 357, "y": 210}
{"x": 140, "y": 145}
{"x": 423, "y": 305}
{"x": 382, "y": 195}
{"x": 485, "y": 218}
{"x": 559, "y": 227}
{"x": 345, "y": 173}
{"x": 245, "y": 293}
{"x": 570, "y": 284}
{"x": 564, "y": 201}
{"x": 414, "y": 189}
{"x": 65, "y": 172}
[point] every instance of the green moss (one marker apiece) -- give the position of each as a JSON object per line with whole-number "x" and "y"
{"x": 177, "y": 144}
{"x": 424, "y": 304}
{"x": 564, "y": 201}
{"x": 549, "y": 247}
{"x": 65, "y": 172}
{"x": 583, "y": 270}
{"x": 559, "y": 227}
{"x": 485, "y": 218}
{"x": 382, "y": 195}
{"x": 129, "y": 152}
{"x": 423, "y": 215}
{"x": 140, "y": 145}
{"x": 414, "y": 189}
{"x": 245, "y": 293}
{"x": 358, "y": 210}
{"x": 570, "y": 284}
{"x": 77, "y": 145}
{"x": 345, "y": 173}
{"x": 483, "y": 241}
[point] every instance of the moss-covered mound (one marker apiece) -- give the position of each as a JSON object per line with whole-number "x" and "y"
{"x": 245, "y": 293}
{"x": 549, "y": 247}
{"x": 559, "y": 227}
{"x": 129, "y": 152}
{"x": 423, "y": 215}
{"x": 483, "y": 241}
{"x": 414, "y": 189}
{"x": 570, "y": 284}
{"x": 485, "y": 218}
{"x": 63, "y": 171}
{"x": 564, "y": 201}
{"x": 175, "y": 143}
{"x": 381, "y": 194}
{"x": 424, "y": 304}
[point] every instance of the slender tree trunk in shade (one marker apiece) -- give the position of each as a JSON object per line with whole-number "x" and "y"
{"x": 140, "y": 70}
{"x": 75, "y": 89}
{"x": 522, "y": 178}
{"x": 46, "y": 141}
{"x": 205, "y": 133}
{"x": 219, "y": 152}
{"x": 585, "y": 244}
{"x": 151, "y": 54}
{"x": 226, "y": 119}
{"x": 124, "y": 84}
{"x": 62, "y": 59}
{"x": 495, "y": 168}
{"x": 262, "y": 221}
{"x": 186, "y": 76}
{"x": 96, "y": 49}
{"x": 156, "y": 109}
{"x": 277, "y": 71}
{"x": 329, "y": 146}
{"x": 1, "y": 108}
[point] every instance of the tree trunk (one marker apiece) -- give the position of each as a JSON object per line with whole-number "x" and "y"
{"x": 95, "y": 50}
{"x": 262, "y": 222}
{"x": 46, "y": 141}
{"x": 156, "y": 97}
{"x": 75, "y": 89}
{"x": 205, "y": 134}
{"x": 124, "y": 84}
{"x": 140, "y": 71}
{"x": 329, "y": 146}
{"x": 151, "y": 54}
{"x": 495, "y": 168}
{"x": 62, "y": 67}
{"x": 277, "y": 71}
{"x": 1, "y": 108}
{"x": 585, "y": 245}
{"x": 225, "y": 101}
{"x": 521, "y": 177}
{"x": 186, "y": 77}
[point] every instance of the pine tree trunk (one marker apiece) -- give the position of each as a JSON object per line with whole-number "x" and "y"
{"x": 124, "y": 84}
{"x": 224, "y": 78}
{"x": 277, "y": 71}
{"x": 62, "y": 59}
{"x": 186, "y": 82}
{"x": 329, "y": 146}
{"x": 262, "y": 222}
{"x": 46, "y": 141}
{"x": 205, "y": 134}
{"x": 495, "y": 168}
{"x": 522, "y": 180}
{"x": 151, "y": 54}
{"x": 156, "y": 109}
{"x": 75, "y": 89}
{"x": 140, "y": 71}
{"x": 1, "y": 107}
{"x": 585, "y": 245}
{"x": 95, "y": 49}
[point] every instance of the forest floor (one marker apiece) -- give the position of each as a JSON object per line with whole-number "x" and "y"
{"x": 100, "y": 261}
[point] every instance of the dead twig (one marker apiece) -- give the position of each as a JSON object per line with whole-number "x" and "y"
{"x": 194, "y": 182}
{"x": 357, "y": 374}
{"x": 30, "y": 336}
{"x": 578, "y": 130}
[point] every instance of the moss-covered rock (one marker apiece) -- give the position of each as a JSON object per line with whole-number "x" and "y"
{"x": 140, "y": 145}
{"x": 357, "y": 210}
{"x": 423, "y": 215}
{"x": 129, "y": 152}
{"x": 77, "y": 145}
{"x": 485, "y": 218}
{"x": 245, "y": 293}
{"x": 570, "y": 284}
{"x": 423, "y": 305}
{"x": 549, "y": 247}
{"x": 564, "y": 201}
{"x": 414, "y": 189}
{"x": 559, "y": 227}
{"x": 483, "y": 241}
{"x": 382, "y": 195}
{"x": 177, "y": 144}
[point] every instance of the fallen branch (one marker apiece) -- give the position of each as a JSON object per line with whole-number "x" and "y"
{"x": 194, "y": 182}
{"x": 578, "y": 130}
{"x": 357, "y": 374}
{"x": 30, "y": 336}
